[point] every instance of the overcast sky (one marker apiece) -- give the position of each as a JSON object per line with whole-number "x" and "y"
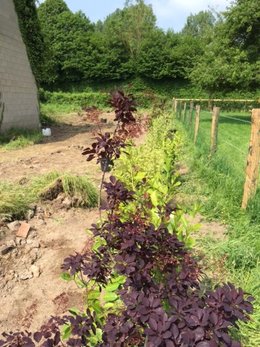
{"x": 170, "y": 13}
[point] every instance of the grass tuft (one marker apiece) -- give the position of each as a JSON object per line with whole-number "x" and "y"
{"x": 16, "y": 199}
{"x": 19, "y": 138}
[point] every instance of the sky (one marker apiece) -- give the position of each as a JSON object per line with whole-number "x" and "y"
{"x": 171, "y": 14}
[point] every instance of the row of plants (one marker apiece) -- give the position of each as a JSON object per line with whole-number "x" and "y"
{"x": 94, "y": 98}
{"x": 142, "y": 282}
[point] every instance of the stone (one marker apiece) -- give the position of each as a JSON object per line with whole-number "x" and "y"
{"x": 23, "y": 181}
{"x": 67, "y": 203}
{"x": 39, "y": 210}
{"x": 34, "y": 255}
{"x": 5, "y": 249}
{"x": 30, "y": 214}
{"x": 18, "y": 241}
{"x": 23, "y": 231}
{"x": 35, "y": 271}
{"x": 33, "y": 234}
{"x": 14, "y": 226}
{"x": 33, "y": 243}
{"x": 25, "y": 275}
{"x": 42, "y": 222}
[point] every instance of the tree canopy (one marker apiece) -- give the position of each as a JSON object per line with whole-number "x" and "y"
{"x": 212, "y": 51}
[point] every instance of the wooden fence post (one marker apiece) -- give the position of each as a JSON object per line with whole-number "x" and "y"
{"x": 197, "y": 123}
{"x": 253, "y": 159}
{"x": 184, "y": 111}
{"x": 175, "y": 105}
{"x": 191, "y": 111}
{"x": 210, "y": 105}
{"x": 180, "y": 110}
{"x": 214, "y": 130}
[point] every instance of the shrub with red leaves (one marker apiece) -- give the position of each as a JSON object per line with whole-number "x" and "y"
{"x": 105, "y": 147}
{"x": 124, "y": 107}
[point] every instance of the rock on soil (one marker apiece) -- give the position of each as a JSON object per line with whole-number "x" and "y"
{"x": 23, "y": 230}
{"x": 14, "y": 226}
{"x": 53, "y": 191}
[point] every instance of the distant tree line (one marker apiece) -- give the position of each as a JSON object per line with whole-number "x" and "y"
{"x": 212, "y": 51}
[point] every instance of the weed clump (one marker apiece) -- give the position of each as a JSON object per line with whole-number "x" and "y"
{"x": 15, "y": 199}
{"x": 19, "y": 138}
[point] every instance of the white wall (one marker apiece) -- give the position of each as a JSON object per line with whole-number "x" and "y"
{"x": 18, "y": 91}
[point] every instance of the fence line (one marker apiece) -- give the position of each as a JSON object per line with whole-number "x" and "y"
{"x": 240, "y": 120}
{"x": 253, "y": 157}
{"x": 219, "y": 100}
{"x": 231, "y": 145}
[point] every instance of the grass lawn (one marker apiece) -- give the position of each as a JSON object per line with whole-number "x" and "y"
{"x": 216, "y": 184}
{"x": 225, "y": 171}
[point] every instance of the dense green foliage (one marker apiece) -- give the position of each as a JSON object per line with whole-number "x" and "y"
{"x": 214, "y": 52}
{"x": 231, "y": 57}
{"x": 32, "y": 36}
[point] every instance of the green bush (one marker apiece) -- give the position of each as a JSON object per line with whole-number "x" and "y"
{"x": 98, "y": 99}
{"x": 78, "y": 99}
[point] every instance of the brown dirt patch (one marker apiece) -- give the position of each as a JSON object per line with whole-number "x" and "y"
{"x": 30, "y": 283}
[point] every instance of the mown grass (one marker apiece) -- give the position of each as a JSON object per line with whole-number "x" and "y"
{"x": 15, "y": 199}
{"x": 216, "y": 183}
{"x": 55, "y": 113}
{"x": 19, "y": 138}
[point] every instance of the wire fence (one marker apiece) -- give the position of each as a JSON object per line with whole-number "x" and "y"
{"x": 233, "y": 138}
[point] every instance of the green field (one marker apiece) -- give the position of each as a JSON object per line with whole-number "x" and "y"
{"x": 216, "y": 184}
{"x": 225, "y": 170}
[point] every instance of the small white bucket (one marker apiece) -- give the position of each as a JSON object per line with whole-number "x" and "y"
{"x": 46, "y": 132}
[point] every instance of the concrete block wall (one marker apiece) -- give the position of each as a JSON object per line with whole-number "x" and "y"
{"x": 18, "y": 91}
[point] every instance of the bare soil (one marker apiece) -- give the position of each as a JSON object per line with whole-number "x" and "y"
{"x": 60, "y": 152}
{"x": 30, "y": 283}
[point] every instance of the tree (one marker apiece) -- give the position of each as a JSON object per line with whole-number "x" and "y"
{"x": 68, "y": 37}
{"x": 231, "y": 59}
{"x": 131, "y": 26}
{"x": 199, "y": 24}
{"x": 223, "y": 68}
{"x": 52, "y": 8}
{"x": 154, "y": 56}
{"x": 140, "y": 23}
{"x": 242, "y": 27}
{"x": 185, "y": 54}
{"x": 108, "y": 58}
